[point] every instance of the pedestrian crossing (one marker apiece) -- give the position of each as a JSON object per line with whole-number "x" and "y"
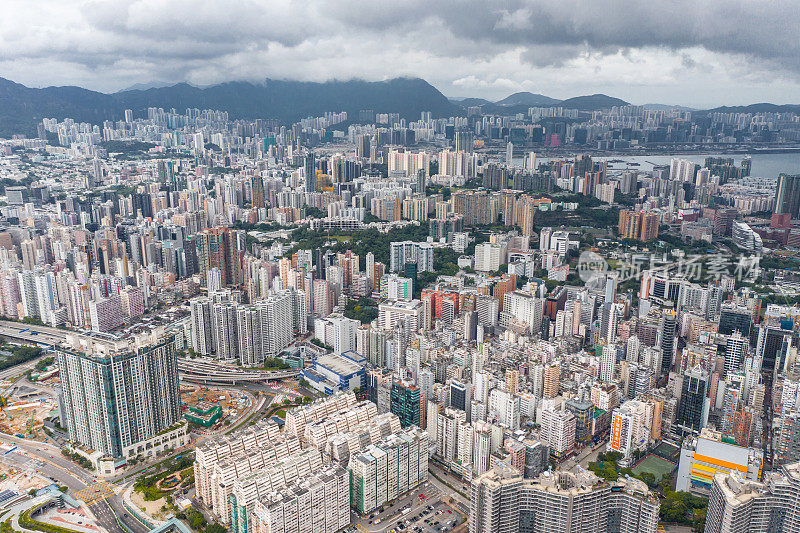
{"x": 95, "y": 492}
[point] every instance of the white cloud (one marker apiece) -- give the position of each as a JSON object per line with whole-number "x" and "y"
{"x": 683, "y": 51}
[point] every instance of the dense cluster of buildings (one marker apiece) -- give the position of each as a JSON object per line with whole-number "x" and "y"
{"x": 333, "y": 454}
{"x": 473, "y": 335}
{"x": 561, "y": 502}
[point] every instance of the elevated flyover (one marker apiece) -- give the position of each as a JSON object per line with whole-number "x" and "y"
{"x": 192, "y": 370}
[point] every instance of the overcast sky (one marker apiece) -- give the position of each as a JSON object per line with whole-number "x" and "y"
{"x": 689, "y": 52}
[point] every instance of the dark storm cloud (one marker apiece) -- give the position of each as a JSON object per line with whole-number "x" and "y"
{"x": 211, "y": 41}
{"x": 765, "y": 30}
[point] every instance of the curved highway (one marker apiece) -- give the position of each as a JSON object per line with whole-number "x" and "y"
{"x": 193, "y": 370}
{"x": 209, "y": 371}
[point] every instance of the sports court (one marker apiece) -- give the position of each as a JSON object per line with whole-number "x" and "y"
{"x": 654, "y": 464}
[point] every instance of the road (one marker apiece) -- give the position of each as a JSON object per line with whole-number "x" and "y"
{"x": 63, "y": 477}
{"x": 201, "y": 370}
{"x": 113, "y": 506}
{"x": 586, "y": 456}
{"x": 48, "y": 461}
{"x": 207, "y": 371}
{"x": 40, "y": 335}
{"x": 452, "y": 480}
{"x": 106, "y": 517}
{"x": 18, "y": 370}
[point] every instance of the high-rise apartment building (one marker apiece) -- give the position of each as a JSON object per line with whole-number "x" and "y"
{"x": 505, "y": 407}
{"x": 475, "y": 206}
{"x": 628, "y": 430}
{"x": 558, "y": 431}
{"x": 583, "y": 413}
{"x": 552, "y": 378}
{"x": 735, "y": 317}
{"x": 119, "y": 394}
{"x": 385, "y": 471}
{"x": 788, "y": 436}
{"x": 405, "y": 403}
{"x": 402, "y": 253}
{"x": 257, "y": 191}
{"x": 219, "y": 248}
{"x": 787, "y": 195}
{"x": 512, "y": 380}
{"x": 310, "y": 173}
{"x": 501, "y": 501}
{"x": 447, "y": 426}
{"x": 319, "y": 502}
{"x": 666, "y": 339}
{"x": 237, "y": 496}
{"x": 202, "y": 325}
{"x": 608, "y": 362}
{"x": 248, "y": 333}
{"x": 693, "y": 406}
{"x": 276, "y": 322}
{"x": 637, "y": 225}
{"x": 226, "y": 331}
{"x": 739, "y": 505}
{"x": 495, "y": 500}
{"x": 489, "y": 257}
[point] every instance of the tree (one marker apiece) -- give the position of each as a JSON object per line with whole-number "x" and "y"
{"x": 364, "y": 310}
{"x": 216, "y": 528}
{"x": 196, "y": 520}
{"x": 609, "y": 473}
{"x": 649, "y": 478}
{"x": 673, "y": 510}
{"x": 613, "y": 456}
{"x": 321, "y": 344}
{"x": 44, "y": 363}
{"x": 315, "y": 212}
{"x": 500, "y": 271}
{"x": 699, "y": 520}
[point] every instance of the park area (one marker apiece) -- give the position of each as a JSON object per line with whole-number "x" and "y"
{"x": 655, "y": 465}
{"x": 651, "y": 469}
{"x": 677, "y": 508}
{"x": 668, "y": 451}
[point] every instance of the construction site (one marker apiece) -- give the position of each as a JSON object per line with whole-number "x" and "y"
{"x": 20, "y": 479}
{"x": 207, "y": 407}
{"x": 23, "y": 410}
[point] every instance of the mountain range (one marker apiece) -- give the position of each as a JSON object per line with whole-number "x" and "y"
{"x": 763, "y": 107}
{"x": 520, "y": 102}
{"x": 21, "y": 107}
